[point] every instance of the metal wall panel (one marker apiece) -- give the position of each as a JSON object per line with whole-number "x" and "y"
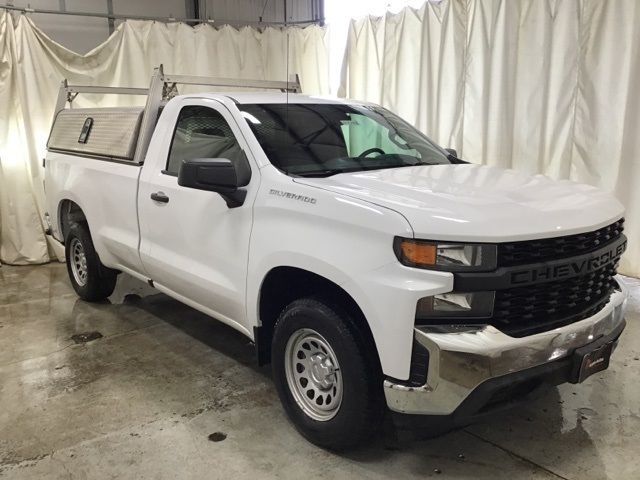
{"x": 81, "y": 34}
{"x": 152, "y": 8}
{"x": 251, "y": 10}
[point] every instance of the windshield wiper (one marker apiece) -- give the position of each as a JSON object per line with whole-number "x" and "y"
{"x": 320, "y": 173}
{"x": 334, "y": 171}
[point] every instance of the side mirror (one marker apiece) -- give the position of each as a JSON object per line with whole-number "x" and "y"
{"x": 453, "y": 156}
{"x": 214, "y": 175}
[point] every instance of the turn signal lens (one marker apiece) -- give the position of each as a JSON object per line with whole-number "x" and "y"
{"x": 418, "y": 253}
{"x": 447, "y": 257}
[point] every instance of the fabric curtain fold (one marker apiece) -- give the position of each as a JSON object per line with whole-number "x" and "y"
{"x": 32, "y": 67}
{"x": 21, "y": 234}
{"x": 539, "y": 86}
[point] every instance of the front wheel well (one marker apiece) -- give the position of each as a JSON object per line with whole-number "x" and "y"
{"x": 283, "y": 285}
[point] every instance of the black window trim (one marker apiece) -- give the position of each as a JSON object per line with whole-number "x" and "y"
{"x": 165, "y": 170}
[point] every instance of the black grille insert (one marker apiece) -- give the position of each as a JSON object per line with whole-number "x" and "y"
{"x": 536, "y": 308}
{"x": 534, "y": 251}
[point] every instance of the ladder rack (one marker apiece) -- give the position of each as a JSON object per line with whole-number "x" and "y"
{"x": 163, "y": 87}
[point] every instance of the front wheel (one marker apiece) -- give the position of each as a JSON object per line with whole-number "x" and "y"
{"x": 91, "y": 280}
{"x": 326, "y": 375}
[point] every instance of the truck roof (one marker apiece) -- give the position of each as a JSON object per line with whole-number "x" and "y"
{"x": 271, "y": 97}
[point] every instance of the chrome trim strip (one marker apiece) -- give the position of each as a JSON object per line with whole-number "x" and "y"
{"x": 460, "y": 361}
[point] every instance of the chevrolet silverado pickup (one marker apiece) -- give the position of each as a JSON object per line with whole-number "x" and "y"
{"x": 375, "y": 271}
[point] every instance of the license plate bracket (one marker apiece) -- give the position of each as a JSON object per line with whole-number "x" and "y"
{"x": 590, "y": 359}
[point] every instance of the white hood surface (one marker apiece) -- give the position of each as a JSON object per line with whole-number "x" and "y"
{"x": 479, "y": 203}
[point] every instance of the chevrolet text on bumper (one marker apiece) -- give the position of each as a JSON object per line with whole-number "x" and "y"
{"x": 373, "y": 269}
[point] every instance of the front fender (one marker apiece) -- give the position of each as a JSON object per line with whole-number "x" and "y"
{"x": 350, "y": 243}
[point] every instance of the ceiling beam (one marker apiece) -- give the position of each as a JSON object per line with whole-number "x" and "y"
{"x": 27, "y": 10}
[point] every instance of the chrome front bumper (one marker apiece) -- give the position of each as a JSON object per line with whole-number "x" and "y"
{"x": 462, "y": 359}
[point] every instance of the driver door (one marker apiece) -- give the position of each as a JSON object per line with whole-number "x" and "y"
{"x": 192, "y": 244}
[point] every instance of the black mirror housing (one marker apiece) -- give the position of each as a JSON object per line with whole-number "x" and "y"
{"x": 214, "y": 175}
{"x": 453, "y": 156}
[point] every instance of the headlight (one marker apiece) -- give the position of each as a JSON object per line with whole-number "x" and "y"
{"x": 450, "y": 257}
{"x": 469, "y": 305}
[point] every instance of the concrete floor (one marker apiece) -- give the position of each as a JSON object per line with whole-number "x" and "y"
{"x": 141, "y": 402}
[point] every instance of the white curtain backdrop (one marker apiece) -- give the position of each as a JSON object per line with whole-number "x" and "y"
{"x": 542, "y": 86}
{"x": 32, "y": 66}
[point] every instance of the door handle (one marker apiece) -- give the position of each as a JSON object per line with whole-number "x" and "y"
{"x": 159, "y": 197}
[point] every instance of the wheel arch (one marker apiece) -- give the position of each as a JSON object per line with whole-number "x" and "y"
{"x": 69, "y": 211}
{"x": 284, "y": 284}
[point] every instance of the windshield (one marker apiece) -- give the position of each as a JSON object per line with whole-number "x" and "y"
{"x": 326, "y": 139}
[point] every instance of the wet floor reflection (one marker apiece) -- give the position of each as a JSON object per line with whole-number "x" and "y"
{"x": 165, "y": 374}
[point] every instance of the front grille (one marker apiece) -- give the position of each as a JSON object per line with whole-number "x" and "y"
{"x": 536, "y": 308}
{"x": 531, "y": 309}
{"x": 534, "y": 251}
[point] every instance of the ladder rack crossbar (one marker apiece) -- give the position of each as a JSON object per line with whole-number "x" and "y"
{"x": 106, "y": 90}
{"x": 292, "y": 86}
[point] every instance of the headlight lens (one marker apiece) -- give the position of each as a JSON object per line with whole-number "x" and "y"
{"x": 469, "y": 305}
{"x": 450, "y": 257}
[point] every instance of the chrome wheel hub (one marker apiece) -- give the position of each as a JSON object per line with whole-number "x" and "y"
{"x": 78, "y": 262}
{"x": 313, "y": 374}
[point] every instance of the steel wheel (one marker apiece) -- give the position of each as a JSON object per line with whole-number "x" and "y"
{"x": 78, "y": 262}
{"x": 313, "y": 374}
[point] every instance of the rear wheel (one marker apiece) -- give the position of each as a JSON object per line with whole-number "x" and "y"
{"x": 326, "y": 375}
{"x": 91, "y": 280}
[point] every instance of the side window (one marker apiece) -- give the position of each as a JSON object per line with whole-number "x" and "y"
{"x": 202, "y": 132}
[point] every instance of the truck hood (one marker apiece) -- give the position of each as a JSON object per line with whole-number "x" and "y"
{"x": 478, "y": 203}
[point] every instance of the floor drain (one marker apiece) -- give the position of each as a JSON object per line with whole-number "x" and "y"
{"x": 86, "y": 337}
{"x": 217, "y": 436}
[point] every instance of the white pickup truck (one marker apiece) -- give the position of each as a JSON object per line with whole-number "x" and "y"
{"x": 375, "y": 270}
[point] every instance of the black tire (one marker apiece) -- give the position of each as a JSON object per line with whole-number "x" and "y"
{"x": 98, "y": 282}
{"x": 361, "y": 410}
